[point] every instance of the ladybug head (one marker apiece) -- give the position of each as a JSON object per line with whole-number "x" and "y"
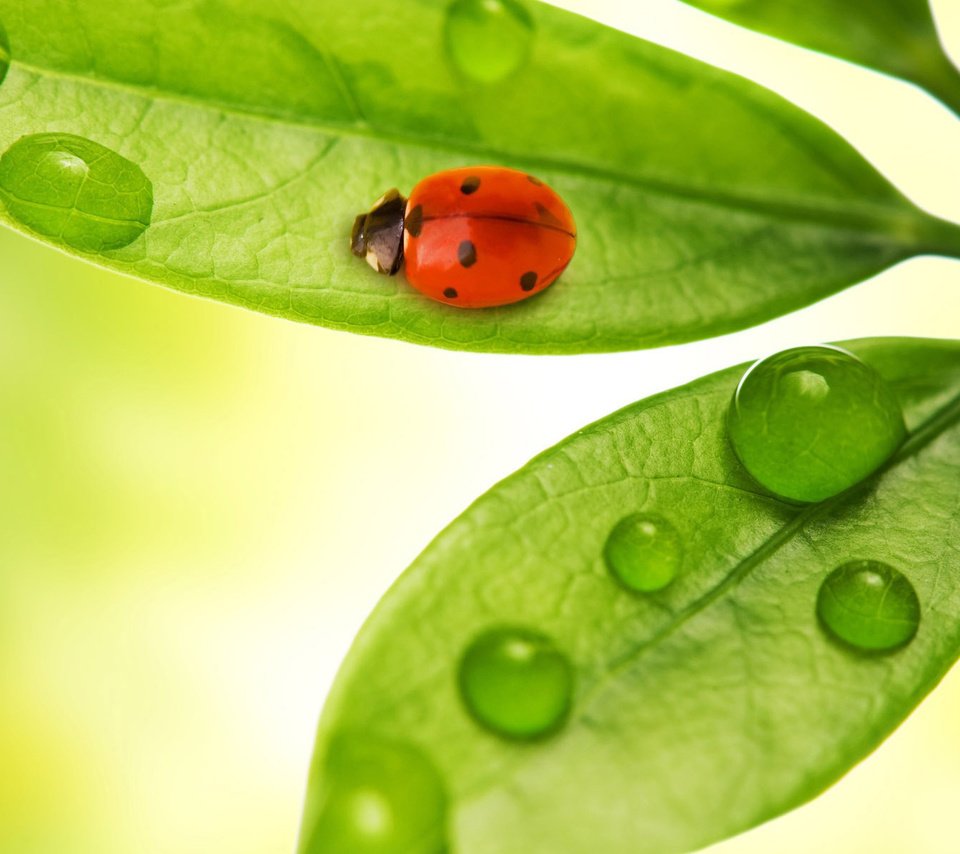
{"x": 378, "y": 235}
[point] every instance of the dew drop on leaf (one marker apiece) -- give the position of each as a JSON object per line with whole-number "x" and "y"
{"x": 375, "y": 796}
{"x": 76, "y": 191}
{"x": 516, "y": 683}
{"x": 4, "y": 53}
{"x": 810, "y": 422}
{"x": 488, "y": 40}
{"x": 869, "y": 605}
{"x": 643, "y": 552}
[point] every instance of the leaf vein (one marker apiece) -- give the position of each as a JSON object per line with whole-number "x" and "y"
{"x": 233, "y": 204}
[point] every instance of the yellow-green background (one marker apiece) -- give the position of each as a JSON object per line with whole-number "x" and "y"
{"x": 198, "y": 507}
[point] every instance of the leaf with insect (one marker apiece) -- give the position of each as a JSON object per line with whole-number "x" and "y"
{"x": 705, "y": 203}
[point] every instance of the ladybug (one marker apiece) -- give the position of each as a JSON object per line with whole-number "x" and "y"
{"x": 473, "y": 237}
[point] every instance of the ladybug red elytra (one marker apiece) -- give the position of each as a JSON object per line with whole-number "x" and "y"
{"x": 473, "y": 237}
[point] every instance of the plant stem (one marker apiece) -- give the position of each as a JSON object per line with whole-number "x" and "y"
{"x": 940, "y": 237}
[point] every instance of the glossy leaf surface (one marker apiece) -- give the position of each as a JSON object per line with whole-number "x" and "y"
{"x": 704, "y": 202}
{"x": 897, "y": 37}
{"x": 701, "y": 709}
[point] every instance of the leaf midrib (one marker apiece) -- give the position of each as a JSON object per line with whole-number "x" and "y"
{"x": 932, "y": 428}
{"x": 898, "y": 226}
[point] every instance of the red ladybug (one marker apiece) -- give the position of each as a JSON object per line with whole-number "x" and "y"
{"x": 473, "y": 237}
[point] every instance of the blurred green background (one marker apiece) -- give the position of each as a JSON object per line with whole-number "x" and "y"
{"x": 200, "y": 505}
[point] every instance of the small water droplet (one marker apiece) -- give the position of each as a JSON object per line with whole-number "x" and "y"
{"x": 516, "y": 683}
{"x": 75, "y": 191}
{"x": 488, "y": 40}
{"x": 4, "y": 53}
{"x": 375, "y": 796}
{"x": 869, "y": 605}
{"x": 810, "y": 422}
{"x": 643, "y": 552}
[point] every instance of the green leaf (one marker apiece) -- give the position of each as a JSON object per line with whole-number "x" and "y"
{"x": 897, "y": 37}
{"x": 704, "y": 202}
{"x": 704, "y": 708}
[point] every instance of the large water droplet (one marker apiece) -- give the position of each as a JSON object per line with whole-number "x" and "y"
{"x": 643, "y": 552}
{"x": 869, "y": 605}
{"x": 75, "y": 191}
{"x": 375, "y": 796}
{"x": 488, "y": 40}
{"x": 810, "y": 422}
{"x": 4, "y": 53}
{"x": 516, "y": 683}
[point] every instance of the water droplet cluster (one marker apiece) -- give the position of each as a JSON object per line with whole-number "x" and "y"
{"x": 810, "y": 422}
{"x": 807, "y": 423}
{"x": 75, "y": 191}
{"x": 488, "y": 40}
{"x": 515, "y": 682}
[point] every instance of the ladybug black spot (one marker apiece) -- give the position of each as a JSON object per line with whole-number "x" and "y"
{"x": 536, "y": 181}
{"x": 414, "y": 221}
{"x": 547, "y": 216}
{"x": 467, "y": 253}
{"x": 528, "y": 281}
{"x": 450, "y": 293}
{"x": 470, "y": 185}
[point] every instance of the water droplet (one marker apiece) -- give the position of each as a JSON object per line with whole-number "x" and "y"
{"x": 375, "y": 796}
{"x": 4, "y": 53}
{"x": 488, "y": 40}
{"x": 869, "y": 605}
{"x": 810, "y": 422}
{"x": 75, "y": 191}
{"x": 643, "y": 552}
{"x": 516, "y": 683}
